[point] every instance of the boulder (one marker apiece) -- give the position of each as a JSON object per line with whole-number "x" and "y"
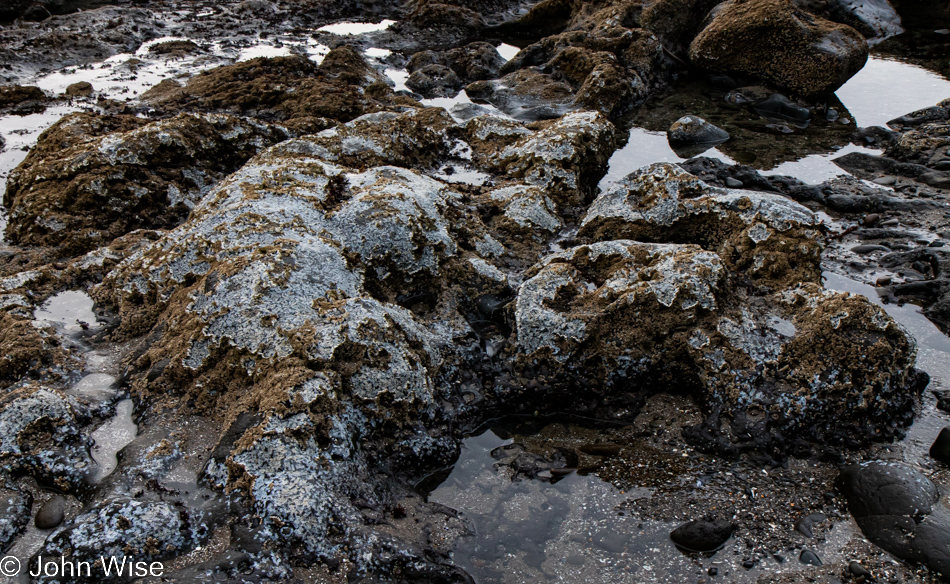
{"x": 899, "y": 509}
{"x": 434, "y": 81}
{"x": 787, "y": 47}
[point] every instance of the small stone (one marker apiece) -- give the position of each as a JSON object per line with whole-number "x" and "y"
{"x": 883, "y": 281}
{"x": 885, "y": 180}
{"x": 809, "y": 558}
{"x": 693, "y": 130}
{"x": 702, "y": 536}
{"x": 806, "y": 524}
{"x": 733, "y": 183}
{"x": 867, "y": 248}
{"x": 871, "y": 219}
{"x": 942, "y": 165}
{"x": 713, "y": 571}
{"x": 858, "y": 570}
{"x": 941, "y": 446}
{"x": 52, "y": 513}
{"x": 748, "y": 564}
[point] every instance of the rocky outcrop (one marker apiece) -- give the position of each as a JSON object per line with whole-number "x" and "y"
{"x": 91, "y": 179}
{"x": 773, "y": 41}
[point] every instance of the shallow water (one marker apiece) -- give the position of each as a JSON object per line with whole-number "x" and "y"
{"x": 111, "y": 437}
{"x": 887, "y": 88}
{"x": 70, "y": 311}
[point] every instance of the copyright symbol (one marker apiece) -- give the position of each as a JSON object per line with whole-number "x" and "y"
{"x": 9, "y": 566}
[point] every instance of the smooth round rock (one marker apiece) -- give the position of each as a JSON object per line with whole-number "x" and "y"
{"x": 702, "y": 536}
{"x": 809, "y": 558}
{"x": 941, "y": 446}
{"x": 52, "y": 513}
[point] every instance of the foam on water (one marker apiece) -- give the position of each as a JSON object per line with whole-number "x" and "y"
{"x": 355, "y": 28}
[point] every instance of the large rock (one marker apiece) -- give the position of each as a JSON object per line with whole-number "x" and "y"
{"x": 901, "y": 510}
{"x": 83, "y": 186}
{"x": 624, "y": 319}
{"x": 778, "y": 43}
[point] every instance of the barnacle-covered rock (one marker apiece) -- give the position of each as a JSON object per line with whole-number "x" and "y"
{"x": 763, "y": 237}
{"x": 40, "y": 435}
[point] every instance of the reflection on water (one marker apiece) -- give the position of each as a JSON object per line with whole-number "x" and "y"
{"x": 886, "y": 89}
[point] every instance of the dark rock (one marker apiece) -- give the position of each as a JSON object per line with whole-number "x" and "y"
{"x": 695, "y": 131}
{"x": 898, "y": 509}
{"x": 778, "y": 43}
{"x": 858, "y": 570}
{"x": 943, "y": 401}
{"x": 434, "y": 81}
{"x": 875, "y": 19}
{"x": 779, "y": 107}
{"x": 869, "y": 248}
{"x": 940, "y": 450}
{"x": 52, "y": 513}
{"x": 14, "y": 513}
{"x": 734, "y": 183}
{"x": 703, "y": 536}
{"x": 475, "y": 61}
{"x": 809, "y": 558}
{"x": 921, "y": 116}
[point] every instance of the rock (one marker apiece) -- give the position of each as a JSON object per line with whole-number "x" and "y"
{"x": 434, "y": 81}
{"x": 857, "y": 570}
{"x": 418, "y": 138}
{"x": 695, "y": 131}
{"x": 81, "y": 187}
{"x": 281, "y": 89}
{"x": 778, "y": 107}
{"x": 137, "y": 530}
{"x": 174, "y": 49}
{"x": 40, "y": 435}
{"x": 14, "y": 513}
{"x": 929, "y": 115}
{"x": 80, "y": 89}
{"x": 25, "y": 348}
{"x": 875, "y": 19}
{"x": 943, "y": 402}
{"x": 475, "y": 61}
{"x": 52, "y": 513}
{"x": 733, "y": 183}
{"x": 940, "y": 450}
{"x": 525, "y": 94}
{"x": 21, "y": 99}
{"x": 898, "y": 509}
{"x": 703, "y": 536}
{"x": 663, "y": 203}
{"x": 565, "y": 159}
{"x": 780, "y": 44}
{"x": 809, "y": 558}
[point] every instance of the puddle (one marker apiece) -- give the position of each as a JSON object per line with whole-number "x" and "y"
{"x": 575, "y": 530}
{"x": 70, "y": 311}
{"x": 355, "y": 28}
{"x": 507, "y": 51}
{"x": 887, "y": 88}
{"x": 111, "y": 437}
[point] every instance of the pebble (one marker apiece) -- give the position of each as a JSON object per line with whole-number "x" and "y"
{"x": 942, "y": 165}
{"x": 858, "y": 570}
{"x": 883, "y": 281}
{"x": 52, "y": 513}
{"x": 809, "y": 558}
{"x": 871, "y": 219}
{"x": 941, "y": 446}
{"x": 733, "y": 183}
{"x": 885, "y": 180}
